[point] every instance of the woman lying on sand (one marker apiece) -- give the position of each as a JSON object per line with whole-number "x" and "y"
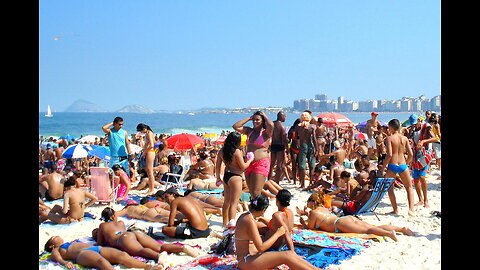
{"x": 247, "y": 231}
{"x": 320, "y": 218}
{"x": 114, "y": 234}
{"x": 93, "y": 256}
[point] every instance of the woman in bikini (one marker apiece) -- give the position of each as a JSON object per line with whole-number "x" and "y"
{"x": 294, "y": 149}
{"x": 320, "y": 218}
{"x": 395, "y": 162}
{"x": 124, "y": 182}
{"x": 74, "y": 204}
{"x": 90, "y": 256}
{"x": 148, "y": 153}
{"x": 200, "y": 184}
{"x": 258, "y": 142}
{"x": 283, "y": 217}
{"x": 256, "y": 256}
{"x": 232, "y": 157}
{"x": 114, "y": 234}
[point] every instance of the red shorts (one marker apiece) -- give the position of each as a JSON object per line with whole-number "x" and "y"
{"x": 261, "y": 166}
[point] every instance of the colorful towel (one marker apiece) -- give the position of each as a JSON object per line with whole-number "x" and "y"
{"x": 339, "y": 240}
{"x": 213, "y": 262}
{"x": 322, "y": 257}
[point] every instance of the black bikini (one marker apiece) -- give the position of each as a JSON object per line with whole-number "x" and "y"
{"x": 229, "y": 175}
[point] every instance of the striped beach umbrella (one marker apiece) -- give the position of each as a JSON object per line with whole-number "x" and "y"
{"x": 76, "y": 151}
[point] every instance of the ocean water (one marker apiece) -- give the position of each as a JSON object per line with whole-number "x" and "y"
{"x": 78, "y": 124}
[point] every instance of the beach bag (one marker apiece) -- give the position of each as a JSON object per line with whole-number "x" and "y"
{"x": 422, "y": 158}
{"x": 226, "y": 245}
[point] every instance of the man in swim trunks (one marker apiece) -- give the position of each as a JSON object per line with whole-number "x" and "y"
{"x": 118, "y": 142}
{"x": 277, "y": 148}
{"x": 395, "y": 163}
{"x": 372, "y": 128}
{"x": 308, "y": 146}
{"x": 196, "y": 226}
{"x": 51, "y": 185}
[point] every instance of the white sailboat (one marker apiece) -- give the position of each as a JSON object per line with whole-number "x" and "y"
{"x": 49, "y": 112}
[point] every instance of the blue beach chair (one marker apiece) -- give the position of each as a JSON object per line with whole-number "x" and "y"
{"x": 382, "y": 185}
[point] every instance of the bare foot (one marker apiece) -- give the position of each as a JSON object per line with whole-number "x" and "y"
{"x": 393, "y": 212}
{"x": 191, "y": 251}
{"x": 420, "y": 203}
{"x": 407, "y": 231}
{"x": 392, "y": 235}
{"x": 411, "y": 213}
{"x": 426, "y": 205}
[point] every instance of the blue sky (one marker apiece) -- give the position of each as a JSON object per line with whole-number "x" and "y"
{"x": 170, "y": 55}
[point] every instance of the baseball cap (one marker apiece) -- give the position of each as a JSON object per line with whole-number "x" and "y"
{"x": 413, "y": 119}
{"x": 374, "y": 113}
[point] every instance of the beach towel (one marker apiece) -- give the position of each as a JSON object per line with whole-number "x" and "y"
{"x": 213, "y": 262}
{"x": 50, "y": 224}
{"x": 339, "y": 240}
{"x": 322, "y": 257}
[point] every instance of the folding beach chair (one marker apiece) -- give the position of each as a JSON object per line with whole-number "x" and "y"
{"x": 382, "y": 185}
{"x": 101, "y": 186}
{"x": 174, "y": 177}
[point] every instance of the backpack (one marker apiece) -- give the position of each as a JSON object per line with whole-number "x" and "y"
{"x": 226, "y": 246}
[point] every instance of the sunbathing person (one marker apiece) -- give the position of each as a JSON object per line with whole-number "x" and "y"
{"x": 197, "y": 225}
{"x": 320, "y": 218}
{"x": 51, "y": 185}
{"x": 123, "y": 180}
{"x": 283, "y": 217}
{"x": 199, "y": 184}
{"x": 272, "y": 186}
{"x": 91, "y": 256}
{"x": 74, "y": 204}
{"x": 203, "y": 169}
{"x": 210, "y": 199}
{"x": 143, "y": 184}
{"x": 136, "y": 243}
{"x": 138, "y": 211}
{"x": 246, "y": 231}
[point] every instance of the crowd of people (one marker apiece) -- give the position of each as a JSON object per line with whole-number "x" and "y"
{"x": 339, "y": 165}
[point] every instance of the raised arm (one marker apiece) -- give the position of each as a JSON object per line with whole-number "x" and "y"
{"x": 106, "y": 128}
{"x": 257, "y": 240}
{"x": 238, "y": 126}
{"x": 242, "y": 165}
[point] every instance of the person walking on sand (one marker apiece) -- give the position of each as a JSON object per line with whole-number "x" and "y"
{"x": 278, "y": 147}
{"x": 395, "y": 164}
{"x": 258, "y": 141}
{"x": 372, "y": 126}
{"x": 232, "y": 157}
{"x": 308, "y": 147}
{"x": 148, "y": 153}
{"x": 118, "y": 142}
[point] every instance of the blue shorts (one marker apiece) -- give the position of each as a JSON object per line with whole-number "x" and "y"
{"x": 416, "y": 173}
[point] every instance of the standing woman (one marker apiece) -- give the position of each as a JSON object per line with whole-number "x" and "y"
{"x": 148, "y": 152}
{"x": 258, "y": 142}
{"x": 232, "y": 177}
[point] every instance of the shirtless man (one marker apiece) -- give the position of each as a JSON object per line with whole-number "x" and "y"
{"x": 197, "y": 225}
{"x": 58, "y": 151}
{"x": 372, "y": 128}
{"x": 278, "y": 147}
{"x": 73, "y": 205}
{"x": 48, "y": 157}
{"x": 308, "y": 146}
{"x": 395, "y": 164}
{"x": 321, "y": 134}
{"x": 340, "y": 153}
{"x": 51, "y": 185}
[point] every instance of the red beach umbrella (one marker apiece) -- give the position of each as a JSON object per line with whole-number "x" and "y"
{"x": 185, "y": 141}
{"x": 360, "y": 135}
{"x": 220, "y": 140}
{"x": 335, "y": 120}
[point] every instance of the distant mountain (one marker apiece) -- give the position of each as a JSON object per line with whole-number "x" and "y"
{"x": 84, "y": 106}
{"x": 135, "y": 109}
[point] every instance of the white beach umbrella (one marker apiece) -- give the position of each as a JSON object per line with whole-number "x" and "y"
{"x": 76, "y": 151}
{"x": 135, "y": 148}
{"x": 88, "y": 139}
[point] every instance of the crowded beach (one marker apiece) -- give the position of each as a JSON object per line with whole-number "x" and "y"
{"x": 317, "y": 193}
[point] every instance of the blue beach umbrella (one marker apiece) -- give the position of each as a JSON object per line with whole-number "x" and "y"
{"x": 68, "y": 137}
{"x": 101, "y": 152}
{"x": 76, "y": 151}
{"x": 363, "y": 126}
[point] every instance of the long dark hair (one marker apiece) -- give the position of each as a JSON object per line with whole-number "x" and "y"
{"x": 232, "y": 142}
{"x": 141, "y": 126}
{"x": 264, "y": 123}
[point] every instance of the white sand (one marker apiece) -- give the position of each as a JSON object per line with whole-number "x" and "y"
{"x": 421, "y": 251}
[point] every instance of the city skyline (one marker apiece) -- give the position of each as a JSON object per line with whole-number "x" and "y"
{"x": 176, "y": 54}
